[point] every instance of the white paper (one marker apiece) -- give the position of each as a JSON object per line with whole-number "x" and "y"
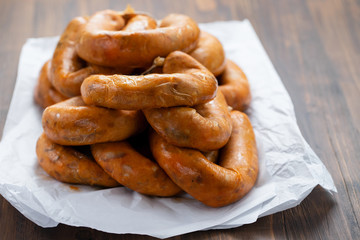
{"x": 289, "y": 169}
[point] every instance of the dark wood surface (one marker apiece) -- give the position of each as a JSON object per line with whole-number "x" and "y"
{"x": 315, "y": 47}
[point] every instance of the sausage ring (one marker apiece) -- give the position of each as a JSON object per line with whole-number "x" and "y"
{"x": 68, "y": 70}
{"x": 122, "y": 162}
{"x": 210, "y": 53}
{"x": 184, "y": 82}
{"x": 234, "y": 84}
{"x": 68, "y": 165}
{"x": 205, "y": 127}
{"x": 45, "y": 94}
{"x": 214, "y": 185}
{"x": 71, "y": 122}
{"x": 102, "y": 42}
{"x": 140, "y": 23}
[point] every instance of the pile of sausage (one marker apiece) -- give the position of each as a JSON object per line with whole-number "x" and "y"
{"x": 150, "y": 105}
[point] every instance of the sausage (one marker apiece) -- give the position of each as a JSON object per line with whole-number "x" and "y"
{"x": 234, "y": 84}
{"x": 71, "y": 122}
{"x": 68, "y": 70}
{"x": 122, "y": 162}
{"x": 210, "y": 53}
{"x": 45, "y": 94}
{"x": 205, "y": 127}
{"x": 184, "y": 82}
{"x": 214, "y": 185}
{"x": 103, "y": 42}
{"x": 68, "y": 165}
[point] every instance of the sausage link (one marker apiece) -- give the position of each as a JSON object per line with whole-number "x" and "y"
{"x": 45, "y": 94}
{"x": 210, "y": 53}
{"x": 68, "y": 70}
{"x": 214, "y": 185}
{"x": 234, "y": 84}
{"x": 184, "y": 82}
{"x": 68, "y": 165}
{"x": 122, "y": 162}
{"x": 105, "y": 44}
{"x": 205, "y": 127}
{"x": 71, "y": 122}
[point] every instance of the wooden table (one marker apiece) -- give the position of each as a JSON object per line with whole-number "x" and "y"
{"x": 315, "y": 47}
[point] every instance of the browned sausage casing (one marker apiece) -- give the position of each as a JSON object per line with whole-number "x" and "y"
{"x": 45, "y": 94}
{"x": 121, "y": 161}
{"x": 211, "y": 156}
{"x": 210, "y": 53}
{"x": 71, "y": 122}
{"x": 213, "y": 185}
{"x": 205, "y": 127}
{"x": 234, "y": 84}
{"x": 105, "y": 44}
{"x": 70, "y": 166}
{"x": 68, "y": 70}
{"x": 184, "y": 82}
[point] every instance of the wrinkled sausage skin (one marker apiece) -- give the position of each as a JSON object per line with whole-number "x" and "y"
{"x": 206, "y": 126}
{"x": 121, "y": 161}
{"x": 184, "y": 82}
{"x": 234, "y": 84}
{"x": 45, "y": 94}
{"x": 105, "y": 44}
{"x": 68, "y": 165}
{"x": 71, "y": 122}
{"x": 68, "y": 70}
{"x": 210, "y": 53}
{"x": 212, "y": 184}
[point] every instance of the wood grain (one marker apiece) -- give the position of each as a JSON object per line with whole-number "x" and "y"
{"x": 315, "y": 47}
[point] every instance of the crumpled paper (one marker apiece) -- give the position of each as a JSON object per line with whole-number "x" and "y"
{"x": 289, "y": 169}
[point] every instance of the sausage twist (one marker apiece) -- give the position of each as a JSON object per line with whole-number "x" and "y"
{"x": 206, "y": 126}
{"x": 184, "y": 82}
{"x": 198, "y": 145}
{"x": 122, "y": 162}
{"x": 45, "y": 93}
{"x": 68, "y": 70}
{"x": 213, "y": 185}
{"x": 210, "y": 53}
{"x": 69, "y": 165}
{"x": 71, "y": 122}
{"x": 102, "y": 41}
{"x": 234, "y": 84}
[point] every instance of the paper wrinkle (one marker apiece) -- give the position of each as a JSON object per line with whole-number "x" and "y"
{"x": 288, "y": 168}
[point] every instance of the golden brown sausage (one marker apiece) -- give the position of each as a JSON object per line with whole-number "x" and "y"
{"x": 69, "y": 165}
{"x": 184, "y": 82}
{"x": 210, "y": 53}
{"x": 234, "y": 84}
{"x": 68, "y": 70}
{"x": 71, "y": 122}
{"x": 206, "y": 126}
{"x": 213, "y": 185}
{"x": 104, "y": 43}
{"x": 122, "y": 162}
{"x": 45, "y": 94}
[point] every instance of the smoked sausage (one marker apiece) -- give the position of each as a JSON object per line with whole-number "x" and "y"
{"x": 68, "y": 165}
{"x": 212, "y": 184}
